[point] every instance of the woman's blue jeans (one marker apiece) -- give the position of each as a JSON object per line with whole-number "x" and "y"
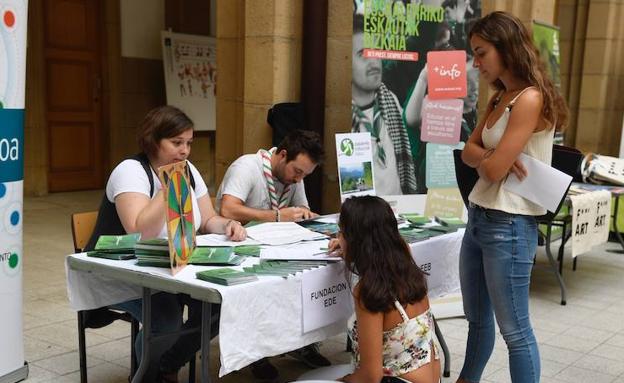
{"x": 495, "y": 265}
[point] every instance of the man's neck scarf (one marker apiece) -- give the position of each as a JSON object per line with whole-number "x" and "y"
{"x": 276, "y": 202}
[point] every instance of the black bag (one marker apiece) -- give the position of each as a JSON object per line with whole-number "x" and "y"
{"x": 285, "y": 118}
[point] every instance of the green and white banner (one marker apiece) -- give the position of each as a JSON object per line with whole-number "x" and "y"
{"x": 13, "y": 20}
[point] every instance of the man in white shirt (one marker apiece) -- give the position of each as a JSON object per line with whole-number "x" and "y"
{"x": 268, "y": 186}
{"x": 375, "y": 109}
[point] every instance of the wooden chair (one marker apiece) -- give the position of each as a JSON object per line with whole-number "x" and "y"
{"x": 82, "y": 225}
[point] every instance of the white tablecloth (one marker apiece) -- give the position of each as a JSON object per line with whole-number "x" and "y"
{"x": 262, "y": 318}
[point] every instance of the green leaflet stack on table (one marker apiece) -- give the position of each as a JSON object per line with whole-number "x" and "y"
{"x": 116, "y": 247}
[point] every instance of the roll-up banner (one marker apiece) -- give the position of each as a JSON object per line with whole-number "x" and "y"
{"x": 13, "y": 19}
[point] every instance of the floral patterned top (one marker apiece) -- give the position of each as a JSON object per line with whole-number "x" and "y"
{"x": 406, "y": 347}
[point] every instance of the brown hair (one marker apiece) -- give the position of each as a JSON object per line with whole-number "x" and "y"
{"x": 376, "y": 252}
{"x": 302, "y": 142}
{"x": 161, "y": 122}
{"x": 513, "y": 42}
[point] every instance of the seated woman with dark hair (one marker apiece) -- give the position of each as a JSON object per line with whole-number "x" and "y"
{"x": 134, "y": 203}
{"x": 392, "y": 330}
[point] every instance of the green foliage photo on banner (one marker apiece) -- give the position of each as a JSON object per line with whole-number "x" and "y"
{"x": 391, "y": 40}
{"x": 546, "y": 39}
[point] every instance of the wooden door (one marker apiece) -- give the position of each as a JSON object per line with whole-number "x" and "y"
{"x": 73, "y": 91}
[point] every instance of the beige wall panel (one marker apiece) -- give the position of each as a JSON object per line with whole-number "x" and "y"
{"x": 339, "y": 22}
{"x": 286, "y": 70}
{"x": 260, "y": 18}
{"x": 257, "y": 133}
{"x": 289, "y": 18}
{"x": 593, "y": 91}
{"x": 601, "y": 21}
{"x": 597, "y": 57}
{"x": 259, "y": 70}
{"x": 544, "y": 10}
{"x": 591, "y": 124}
{"x": 228, "y": 128}
{"x": 228, "y": 61}
{"x": 338, "y": 77}
{"x": 229, "y": 12}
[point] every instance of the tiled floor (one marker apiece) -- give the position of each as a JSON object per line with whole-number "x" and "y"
{"x": 580, "y": 342}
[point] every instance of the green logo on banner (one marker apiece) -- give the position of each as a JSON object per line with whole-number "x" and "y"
{"x": 347, "y": 147}
{"x": 13, "y": 260}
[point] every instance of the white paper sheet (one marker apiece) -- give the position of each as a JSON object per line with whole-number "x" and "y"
{"x": 221, "y": 240}
{"x": 281, "y": 233}
{"x": 544, "y": 185}
{"x": 303, "y": 251}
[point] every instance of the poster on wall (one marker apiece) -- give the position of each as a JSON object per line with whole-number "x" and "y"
{"x": 13, "y": 22}
{"x": 190, "y": 65}
{"x": 405, "y": 54}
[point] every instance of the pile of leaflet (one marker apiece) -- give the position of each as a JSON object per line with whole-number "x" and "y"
{"x": 117, "y": 247}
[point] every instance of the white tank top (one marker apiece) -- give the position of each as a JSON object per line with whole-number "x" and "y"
{"x": 492, "y": 195}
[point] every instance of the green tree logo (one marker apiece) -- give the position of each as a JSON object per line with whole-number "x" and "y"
{"x": 347, "y": 147}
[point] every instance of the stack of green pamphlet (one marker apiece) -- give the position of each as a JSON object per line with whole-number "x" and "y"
{"x": 411, "y": 235}
{"x": 117, "y": 247}
{"x": 415, "y": 218}
{"x": 153, "y": 252}
{"x": 450, "y": 222}
{"x": 248, "y": 250}
{"x": 282, "y": 268}
{"x": 215, "y": 256}
{"x": 226, "y": 276}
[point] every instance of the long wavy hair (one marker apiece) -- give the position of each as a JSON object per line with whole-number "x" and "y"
{"x": 377, "y": 254}
{"x": 513, "y": 42}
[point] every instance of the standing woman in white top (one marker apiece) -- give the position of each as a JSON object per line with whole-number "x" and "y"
{"x": 501, "y": 238}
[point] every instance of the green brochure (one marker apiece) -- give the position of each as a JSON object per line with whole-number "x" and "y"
{"x": 415, "y": 218}
{"x": 215, "y": 256}
{"x": 248, "y": 250}
{"x": 450, "y": 221}
{"x": 117, "y": 242}
{"x": 153, "y": 252}
{"x": 226, "y": 276}
{"x": 116, "y": 247}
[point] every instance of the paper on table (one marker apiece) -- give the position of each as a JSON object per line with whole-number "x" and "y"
{"x": 329, "y": 218}
{"x": 217, "y": 240}
{"x": 305, "y": 251}
{"x": 544, "y": 185}
{"x": 281, "y": 233}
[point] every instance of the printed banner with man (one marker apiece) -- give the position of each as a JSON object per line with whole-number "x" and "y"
{"x": 413, "y": 83}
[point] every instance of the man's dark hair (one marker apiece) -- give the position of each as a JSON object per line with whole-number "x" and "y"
{"x": 302, "y": 142}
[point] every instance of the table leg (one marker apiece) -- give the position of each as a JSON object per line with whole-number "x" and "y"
{"x": 615, "y": 226}
{"x": 553, "y": 265}
{"x": 147, "y": 335}
{"x": 205, "y": 341}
